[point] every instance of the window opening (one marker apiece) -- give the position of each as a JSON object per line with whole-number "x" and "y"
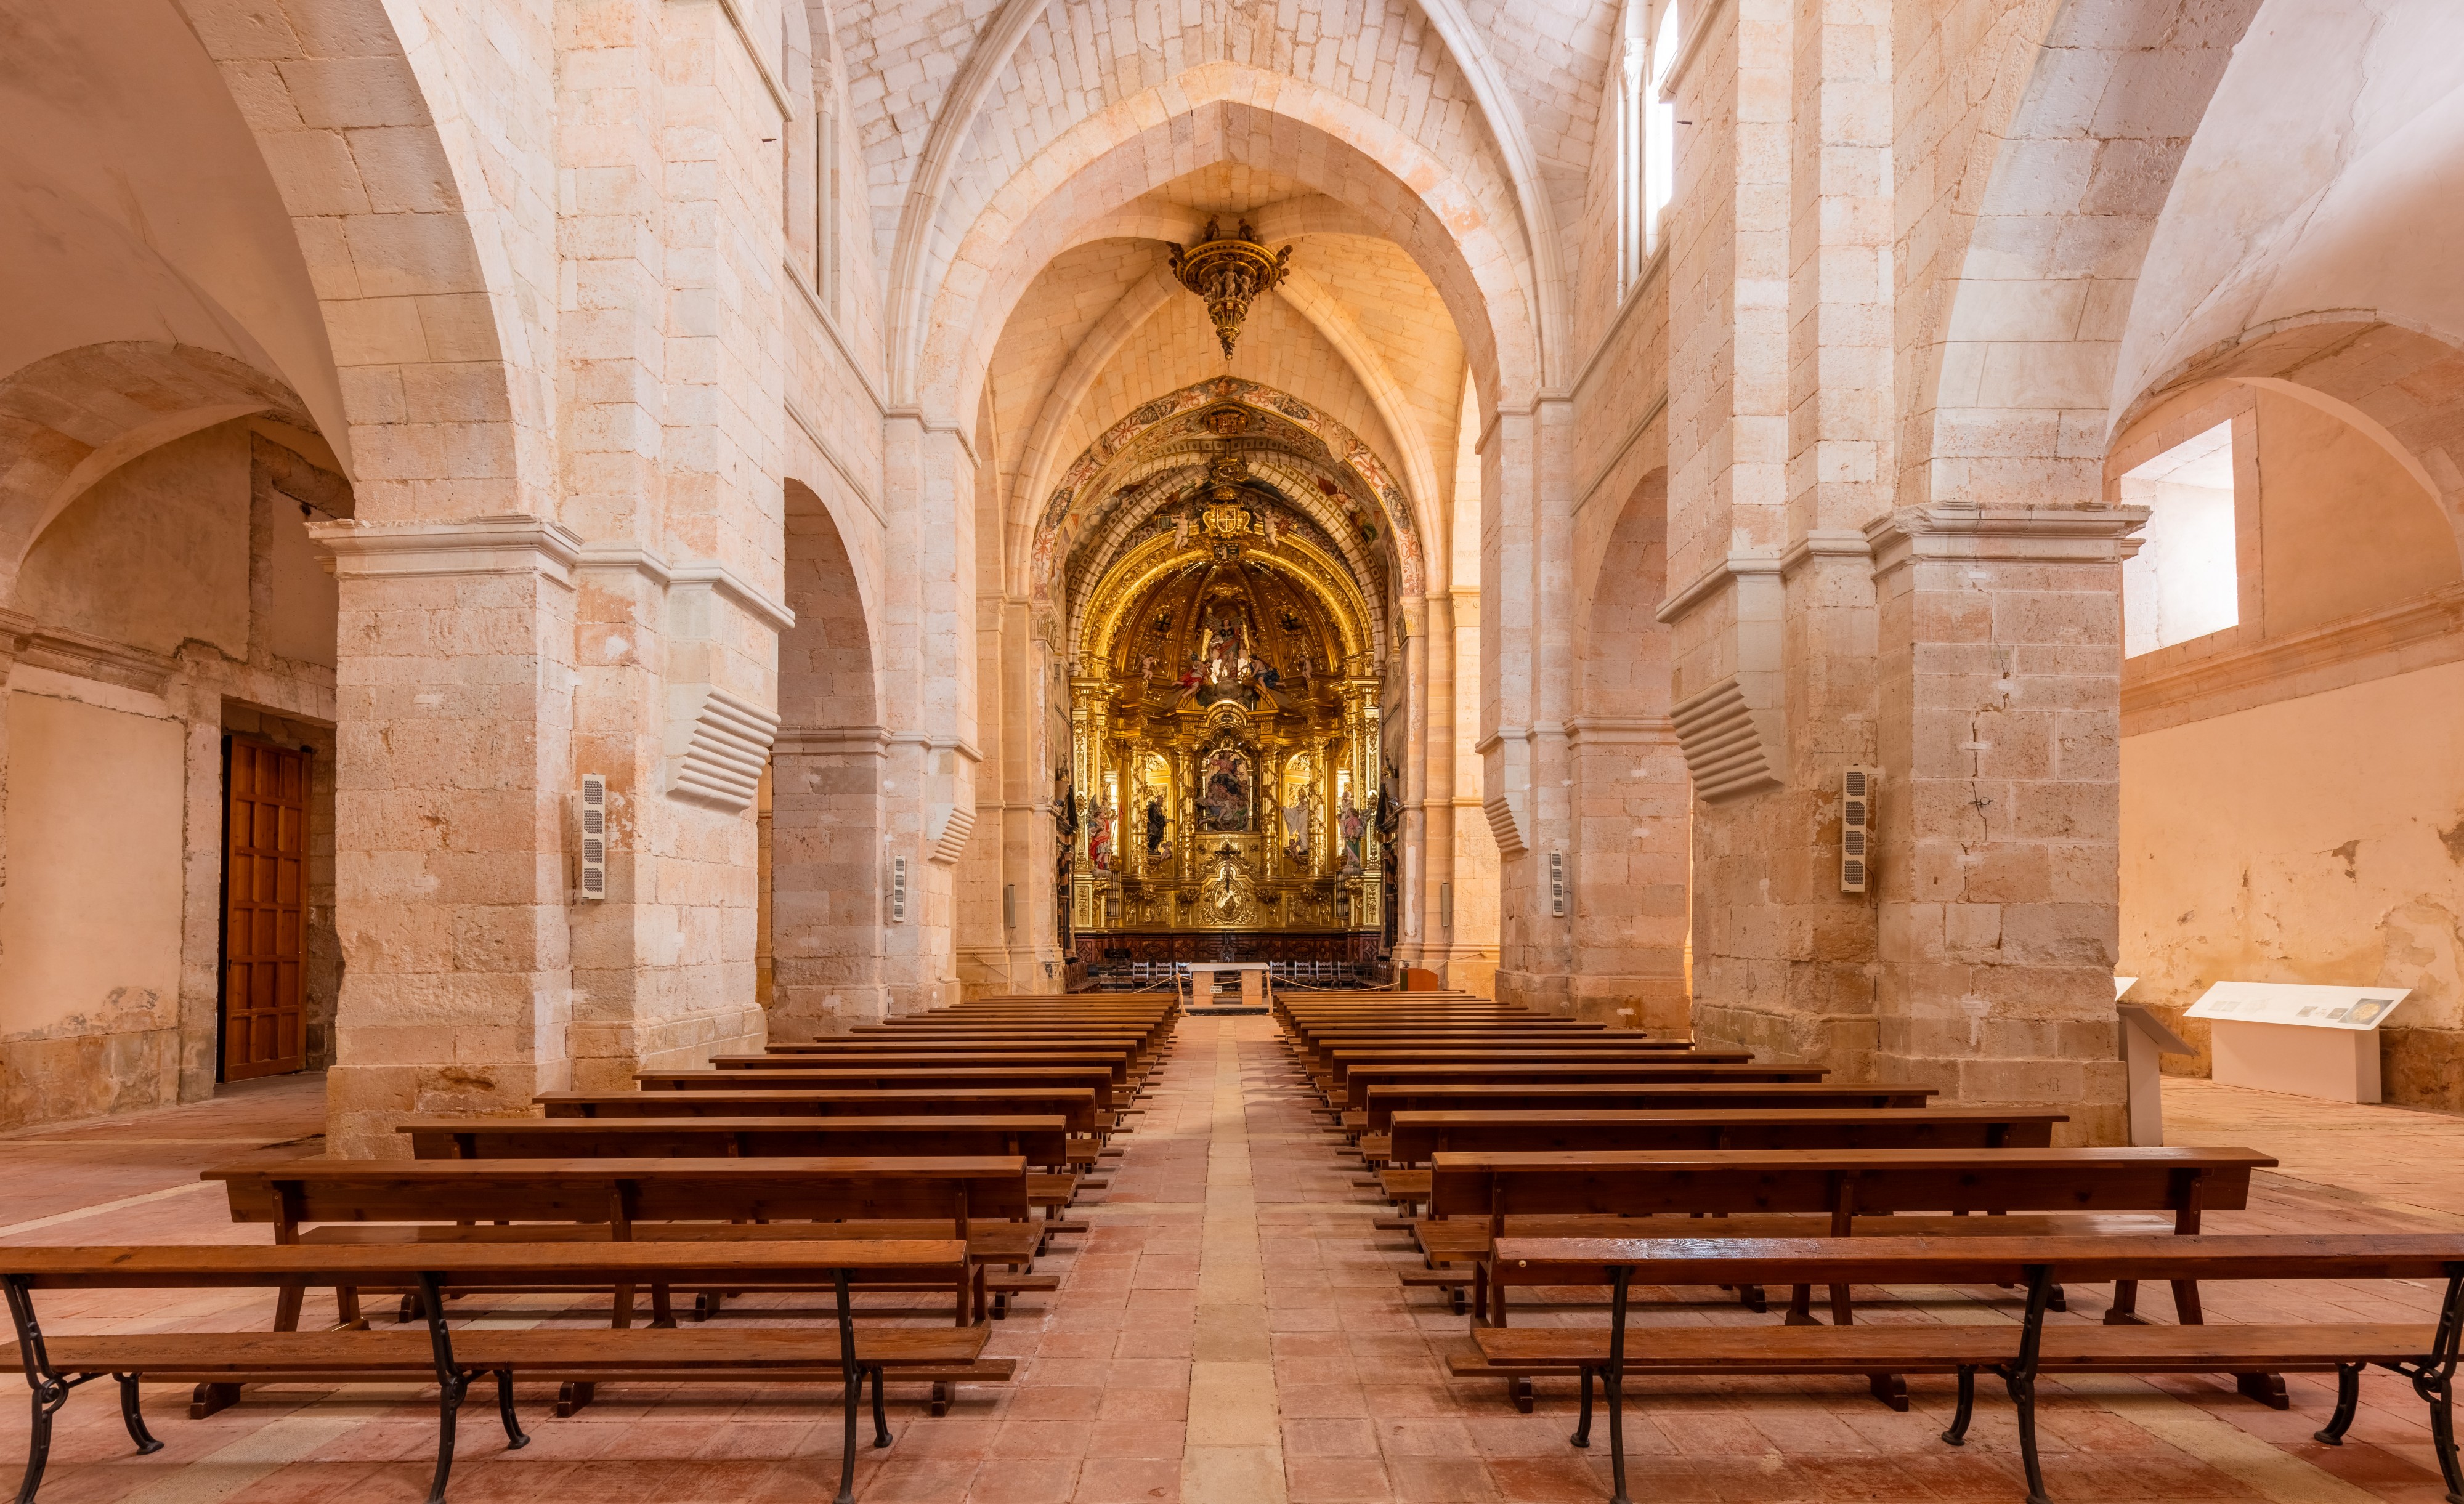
{"x": 2185, "y": 582}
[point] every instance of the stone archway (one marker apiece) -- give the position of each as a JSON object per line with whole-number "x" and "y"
{"x": 825, "y": 768}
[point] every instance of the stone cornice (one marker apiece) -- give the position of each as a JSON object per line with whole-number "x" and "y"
{"x": 932, "y": 744}
{"x": 1824, "y": 543}
{"x": 15, "y": 627}
{"x": 2415, "y": 634}
{"x": 827, "y": 740}
{"x": 1708, "y": 583}
{"x": 503, "y": 545}
{"x": 691, "y": 574}
{"x": 2008, "y": 534}
{"x": 1621, "y": 730}
{"x": 83, "y": 657}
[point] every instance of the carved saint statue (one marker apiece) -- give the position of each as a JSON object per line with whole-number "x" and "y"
{"x": 1099, "y": 837}
{"x": 1352, "y": 822}
{"x": 1156, "y": 822}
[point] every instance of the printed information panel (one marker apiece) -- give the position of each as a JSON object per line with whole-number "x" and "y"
{"x": 2310, "y": 1042}
{"x": 2309, "y": 1007}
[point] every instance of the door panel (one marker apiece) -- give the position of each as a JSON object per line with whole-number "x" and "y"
{"x": 265, "y": 918}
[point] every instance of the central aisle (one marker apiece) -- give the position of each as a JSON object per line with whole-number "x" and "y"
{"x": 1232, "y": 1283}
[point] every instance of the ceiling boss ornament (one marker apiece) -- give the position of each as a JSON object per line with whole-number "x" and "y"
{"x": 1228, "y": 271}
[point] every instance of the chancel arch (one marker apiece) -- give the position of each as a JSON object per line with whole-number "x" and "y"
{"x": 1226, "y": 779}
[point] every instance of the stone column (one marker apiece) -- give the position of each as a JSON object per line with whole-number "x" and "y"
{"x": 453, "y": 871}
{"x": 1428, "y": 717}
{"x": 1470, "y": 956}
{"x": 1527, "y": 667}
{"x": 1999, "y": 805}
{"x": 827, "y": 874}
{"x": 928, "y": 662}
{"x": 15, "y": 627}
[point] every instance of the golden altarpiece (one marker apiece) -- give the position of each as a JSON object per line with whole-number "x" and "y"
{"x": 1225, "y": 723}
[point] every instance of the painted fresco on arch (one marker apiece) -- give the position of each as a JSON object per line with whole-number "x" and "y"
{"x": 1224, "y": 797}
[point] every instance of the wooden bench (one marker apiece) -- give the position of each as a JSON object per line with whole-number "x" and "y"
{"x": 1115, "y": 1063}
{"x": 1416, "y": 1137}
{"x": 1477, "y": 1199}
{"x": 2421, "y": 1351}
{"x": 840, "y": 1354}
{"x": 1384, "y": 1102}
{"x": 1339, "y": 1063}
{"x": 922, "y": 1077}
{"x": 980, "y": 1200}
{"x": 1076, "y": 1106}
{"x": 1040, "y": 1141}
{"x": 1361, "y": 1079}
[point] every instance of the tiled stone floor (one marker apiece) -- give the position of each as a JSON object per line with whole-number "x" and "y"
{"x": 1232, "y": 1331}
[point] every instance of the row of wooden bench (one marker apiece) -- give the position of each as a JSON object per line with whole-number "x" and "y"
{"x": 1530, "y": 1178}
{"x": 811, "y": 1189}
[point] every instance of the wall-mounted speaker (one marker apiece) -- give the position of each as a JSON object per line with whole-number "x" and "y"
{"x": 1856, "y": 829}
{"x": 593, "y": 801}
{"x": 898, "y": 890}
{"x": 1557, "y": 895}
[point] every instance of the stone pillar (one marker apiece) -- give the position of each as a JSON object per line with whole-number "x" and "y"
{"x": 928, "y": 660}
{"x": 15, "y": 627}
{"x": 826, "y": 875}
{"x": 1527, "y": 666}
{"x": 1999, "y": 805}
{"x": 454, "y": 697}
{"x": 1426, "y": 723}
{"x": 1470, "y": 942}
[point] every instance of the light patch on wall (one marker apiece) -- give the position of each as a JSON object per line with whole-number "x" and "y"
{"x": 90, "y": 936}
{"x": 2185, "y": 582}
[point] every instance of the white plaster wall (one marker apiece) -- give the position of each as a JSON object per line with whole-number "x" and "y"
{"x": 90, "y": 938}
{"x": 2327, "y": 174}
{"x": 2318, "y": 839}
{"x": 155, "y": 555}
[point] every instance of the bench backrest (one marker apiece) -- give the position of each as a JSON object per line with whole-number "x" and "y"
{"x": 1094, "y": 1077}
{"x": 1076, "y": 1106}
{"x": 1115, "y": 1065}
{"x": 1039, "y": 1140}
{"x": 1842, "y": 1183}
{"x": 621, "y": 1193}
{"x": 1384, "y": 1102}
{"x": 1339, "y": 1064}
{"x": 1360, "y": 1079}
{"x": 1420, "y": 1135}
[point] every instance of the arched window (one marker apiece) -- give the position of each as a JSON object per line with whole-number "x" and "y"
{"x": 1646, "y": 128}
{"x": 1660, "y": 168}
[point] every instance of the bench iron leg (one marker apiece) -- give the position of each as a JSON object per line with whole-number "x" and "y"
{"x": 1614, "y": 1381}
{"x": 2021, "y": 1378}
{"x": 514, "y": 1439}
{"x": 134, "y": 1418}
{"x": 1582, "y": 1436}
{"x": 451, "y": 1382}
{"x": 51, "y": 1391}
{"x": 1957, "y": 1435}
{"x": 880, "y": 1421}
{"x": 852, "y": 1376}
{"x": 2348, "y": 1398}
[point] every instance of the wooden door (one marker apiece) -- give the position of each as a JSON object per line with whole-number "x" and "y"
{"x": 264, "y": 910}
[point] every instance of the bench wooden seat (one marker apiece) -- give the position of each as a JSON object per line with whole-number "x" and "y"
{"x": 1844, "y": 1185}
{"x": 1117, "y": 1064}
{"x": 451, "y": 1357}
{"x": 2423, "y": 1352}
{"x": 1037, "y": 1139}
